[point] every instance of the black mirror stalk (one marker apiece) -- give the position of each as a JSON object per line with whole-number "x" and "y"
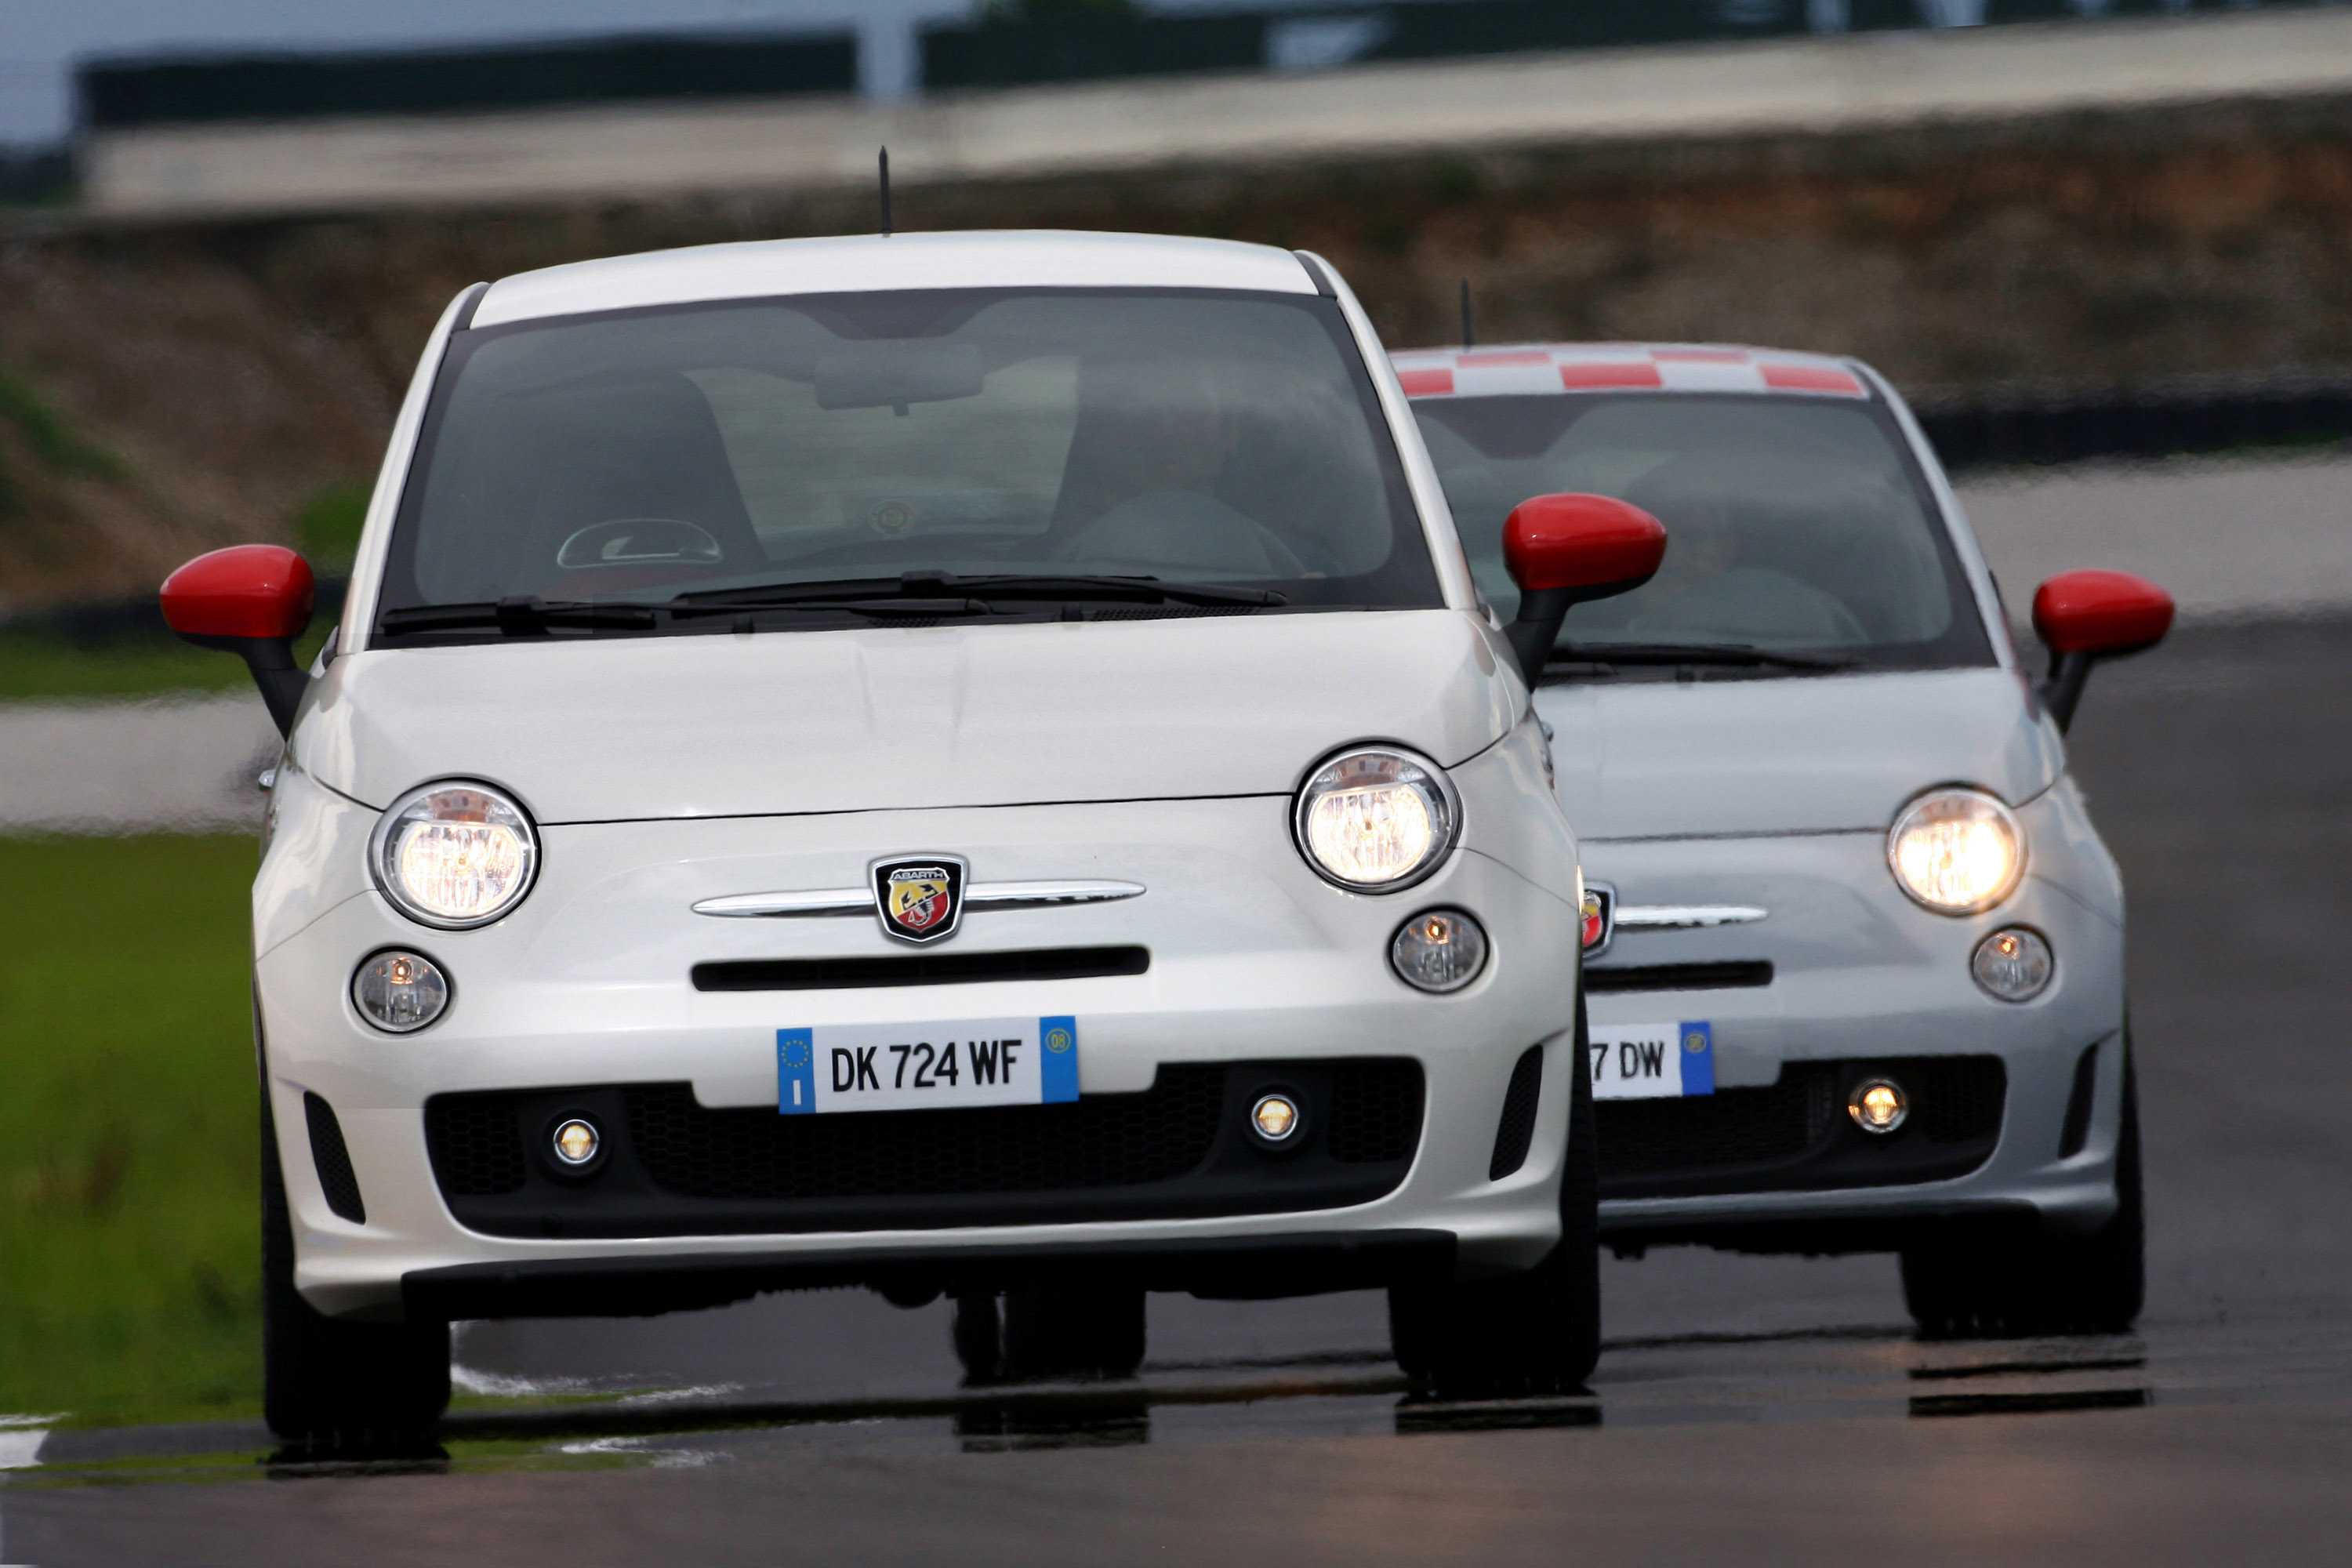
{"x": 271, "y": 660}
{"x": 1536, "y": 626}
{"x": 2063, "y": 691}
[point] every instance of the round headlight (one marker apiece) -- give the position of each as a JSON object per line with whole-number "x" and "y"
{"x": 1956, "y": 850}
{"x": 1376, "y": 818}
{"x": 454, "y": 855}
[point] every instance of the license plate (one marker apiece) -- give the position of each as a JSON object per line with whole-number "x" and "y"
{"x": 1653, "y": 1061}
{"x": 915, "y": 1066}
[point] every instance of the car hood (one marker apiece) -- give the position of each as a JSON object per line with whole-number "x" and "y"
{"x": 1808, "y": 754}
{"x": 727, "y": 725}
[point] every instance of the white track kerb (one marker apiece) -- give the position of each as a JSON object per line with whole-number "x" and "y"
{"x": 1139, "y": 534}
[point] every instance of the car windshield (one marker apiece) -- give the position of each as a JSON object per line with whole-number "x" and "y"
{"x": 1794, "y": 526}
{"x": 1184, "y": 436}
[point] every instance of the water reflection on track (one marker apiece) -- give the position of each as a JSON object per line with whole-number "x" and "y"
{"x": 1700, "y": 1379}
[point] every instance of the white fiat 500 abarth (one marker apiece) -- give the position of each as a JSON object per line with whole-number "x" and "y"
{"x": 1854, "y": 952}
{"x": 964, "y": 763}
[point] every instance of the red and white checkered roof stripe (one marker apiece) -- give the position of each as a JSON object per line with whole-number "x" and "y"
{"x": 1529, "y": 369}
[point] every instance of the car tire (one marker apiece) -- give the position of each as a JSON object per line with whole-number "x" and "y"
{"x": 977, "y": 1335}
{"x": 1071, "y": 1330}
{"x": 1538, "y": 1333}
{"x": 1054, "y": 1328}
{"x": 2001, "y": 1284}
{"x": 331, "y": 1385}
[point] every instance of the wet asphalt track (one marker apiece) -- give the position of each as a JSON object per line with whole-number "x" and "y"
{"x": 1753, "y": 1411}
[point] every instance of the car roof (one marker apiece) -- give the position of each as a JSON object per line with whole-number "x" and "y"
{"x": 1507, "y": 369}
{"x": 859, "y": 263}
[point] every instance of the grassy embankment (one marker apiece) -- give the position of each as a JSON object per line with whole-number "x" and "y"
{"x": 128, "y": 1237}
{"x": 39, "y": 659}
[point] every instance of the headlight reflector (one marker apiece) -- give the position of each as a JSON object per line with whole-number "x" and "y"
{"x": 400, "y": 991}
{"x": 1376, "y": 818}
{"x": 2014, "y": 963}
{"x": 454, "y": 855}
{"x": 1956, "y": 850}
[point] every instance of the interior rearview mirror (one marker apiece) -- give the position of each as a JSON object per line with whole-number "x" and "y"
{"x": 894, "y": 374}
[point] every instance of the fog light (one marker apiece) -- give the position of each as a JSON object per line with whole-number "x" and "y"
{"x": 1275, "y": 1117}
{"x": 400, "y": 991}
{"x": 2014, "y": 963}
{"x": 576, "y": 1143}
{"x": 1878, "y": 1105}
{"x": 1438, "y": 950}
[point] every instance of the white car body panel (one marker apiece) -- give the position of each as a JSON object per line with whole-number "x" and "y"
{"x": 1659, "y": 759}
{"x": 662, "y": 772}
{"x": 891, "y": 718}
{"x": 1778, "y": 793}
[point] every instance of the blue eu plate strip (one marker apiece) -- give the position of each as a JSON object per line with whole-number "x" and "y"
{"x": 1699, "y": 1057}
{"x": 795, "y": 1072}
{"x": 1060, "y": 1038}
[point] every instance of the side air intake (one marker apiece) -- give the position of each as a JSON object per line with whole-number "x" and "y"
{"x": 1517, "y": 1130}
{"x": 336, "y": 1178}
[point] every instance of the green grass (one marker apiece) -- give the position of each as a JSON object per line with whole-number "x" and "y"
{"x": 38, "y": 664}
{"x": 41, "y": 664}
{"x": 129, "y": 1241}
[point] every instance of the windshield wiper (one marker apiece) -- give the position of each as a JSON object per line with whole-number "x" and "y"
{"x": 950, "y": 588}
{"x": 1723, "y": 653}
{"x": 519, "y": 617}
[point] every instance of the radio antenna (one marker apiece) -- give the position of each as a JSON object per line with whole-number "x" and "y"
{"x": 886, "y": 201}
{"x": 1469, "y": 338}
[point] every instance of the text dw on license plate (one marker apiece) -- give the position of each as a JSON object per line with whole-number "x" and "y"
{"x": 932, "y": 1065}
{"x": 1653, "y": 1061}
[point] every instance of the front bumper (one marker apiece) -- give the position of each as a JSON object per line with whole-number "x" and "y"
{"x": 1862, "y": 978}
{"x": 1253, "y": 959}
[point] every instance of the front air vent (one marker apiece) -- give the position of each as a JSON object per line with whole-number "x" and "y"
{"x": 919, "y": 969}
{"x": 1677, "y": 976}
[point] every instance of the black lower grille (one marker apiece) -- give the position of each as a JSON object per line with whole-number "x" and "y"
{"x": 674, "y": 1166}
{"x": 476, "y": 1148}
{"x": 338, "y": 1182}
{"x": 1108, "y": 1141}
{"x": 1729, "y": 1127}
{"x": 1957, "y": 1099}
{"x": 1794, "y": 1134}
{"x": 1515, "y": 1133}
{"x": 1375, "y": 1112}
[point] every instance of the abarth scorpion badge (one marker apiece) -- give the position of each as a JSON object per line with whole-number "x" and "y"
{"x": 920, "y": 899}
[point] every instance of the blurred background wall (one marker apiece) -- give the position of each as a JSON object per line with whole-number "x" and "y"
{"x": 211, "y": 298}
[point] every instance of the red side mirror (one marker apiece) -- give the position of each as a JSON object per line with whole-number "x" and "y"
{"x": 1582, "y": 543}
{"x": 245, "y": 590}
{"x": 2101, "y": 613}
{"x": 1568, "y": 550}
{"x": 252, "y": 600}
{"x": 2087, "y": 616}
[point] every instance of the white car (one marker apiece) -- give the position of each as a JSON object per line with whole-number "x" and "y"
{"x": 964, "y": 763}
{"x": 1854, "y": 952}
